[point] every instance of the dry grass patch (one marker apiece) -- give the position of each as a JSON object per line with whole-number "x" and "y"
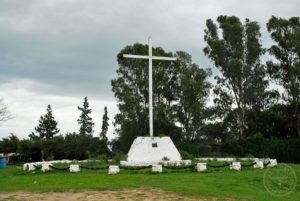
{"x": 127, "y": 194}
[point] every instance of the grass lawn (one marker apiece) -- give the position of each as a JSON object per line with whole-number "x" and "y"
{"x": 219, "y": 183}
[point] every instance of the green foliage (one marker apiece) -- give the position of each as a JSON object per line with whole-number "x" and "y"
{"x": 282, "y": 150}
{"x": 131, "y": 90}
{"x": 276, "y": 121}
{"x": 286, "y": 50}
{"x": 180, "y": 90}
{"x": 31, "y": 149}
{"x": 162, "y": 135}
{"x": 185, "y": 155}
{"x": 105, "y": 125}
{"x": 82, "y": 146}
{"x": 47, "y": 127}
{"x": 71, "y": 146}
{"x": 197, "y": 149}
{"x": 119, "y": 157}
{"x": 236, "y": 53}
{"x": 193, "y": 91}
{"x": 85, "y": 121}
{"x": 9, "y": 144}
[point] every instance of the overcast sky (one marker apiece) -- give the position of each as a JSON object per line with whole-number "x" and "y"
{"x": 58, "y": 51}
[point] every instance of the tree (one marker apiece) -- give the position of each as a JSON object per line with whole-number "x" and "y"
{"x": 193, "y": 92}
{"x": 131, "y": 90}
{"x": 9, "y": 144}
{"x": 105, "y": 125}
{"x": 33, "y": 136}
{"x": 237, "y": 55}
{"x": 286, "y": 34}
{"x": 180, "y": 90}
{"x": 4, "y": 113}
{"x": 85, "y": 121}
{"x": 47, "y": 127}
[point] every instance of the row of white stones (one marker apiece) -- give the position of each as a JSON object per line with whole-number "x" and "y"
{"x": 237, "y": 165}
{"x": 114, "y": 169}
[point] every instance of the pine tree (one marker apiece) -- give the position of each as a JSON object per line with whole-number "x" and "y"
{"x": 105, "y": 125}
{"x": 85, "y": 121}
{"x": 47, "y": 125}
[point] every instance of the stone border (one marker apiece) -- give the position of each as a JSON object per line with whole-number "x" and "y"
{"x": 155, "y": 166}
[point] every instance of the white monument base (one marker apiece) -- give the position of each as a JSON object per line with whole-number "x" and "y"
{"x": 146, "y": 151}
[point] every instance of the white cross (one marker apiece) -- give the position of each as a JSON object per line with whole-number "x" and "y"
{"x": 150, "y": 58}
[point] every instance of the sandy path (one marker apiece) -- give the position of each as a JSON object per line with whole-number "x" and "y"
{"x": 129, "y": 194}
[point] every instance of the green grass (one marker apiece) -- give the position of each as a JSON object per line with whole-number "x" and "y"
{"x": 221, "y": 183}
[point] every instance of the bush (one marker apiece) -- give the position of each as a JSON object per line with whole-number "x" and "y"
{"x": 119, "y": 157}
{"x": 71, "y": 146}
{"x": 196, "y": 149}
{"x": 281, "y": 149}
{"x": 31, "y": 149}
{"x": 9, "y": 144}
{"x": 186, "y": 156}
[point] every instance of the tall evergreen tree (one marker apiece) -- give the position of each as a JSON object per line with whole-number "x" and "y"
{"x": 85, "y": 121}
{"x": 236, "y": 53}
{"x": 193, "y": 93}
{"x": 47, "y": 127}
{"x": 286, "y": 50}
{"x": 105, "y": 125}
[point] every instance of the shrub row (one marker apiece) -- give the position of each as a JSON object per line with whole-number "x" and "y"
{"x": 284, "y": 150}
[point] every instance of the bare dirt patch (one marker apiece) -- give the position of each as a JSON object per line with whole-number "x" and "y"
{"x": 128, "y": 194}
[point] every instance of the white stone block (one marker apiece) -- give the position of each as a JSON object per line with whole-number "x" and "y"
{"x": 156, "y": 168}
{"x": 25, "y": 166}
{"x": 38, "y": 163}
{"x": 201, "y": 167}
{"x": 31, "y": 167}
{"x": 46, "y": 167}
{"x": 235, "y": 166}
{"x": 272, "y": 163}
{"x": 113, "y": 169}
{"x": 259, "y": 165}
{"x": 74, "y": 168}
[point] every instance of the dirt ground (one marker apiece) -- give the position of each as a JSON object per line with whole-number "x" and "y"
{"x": 130, "y": 194}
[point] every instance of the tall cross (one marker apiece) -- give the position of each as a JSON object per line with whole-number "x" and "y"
{"x": 150, "y": 58}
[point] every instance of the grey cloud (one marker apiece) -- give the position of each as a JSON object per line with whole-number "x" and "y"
{"x": 74, "y": 43}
